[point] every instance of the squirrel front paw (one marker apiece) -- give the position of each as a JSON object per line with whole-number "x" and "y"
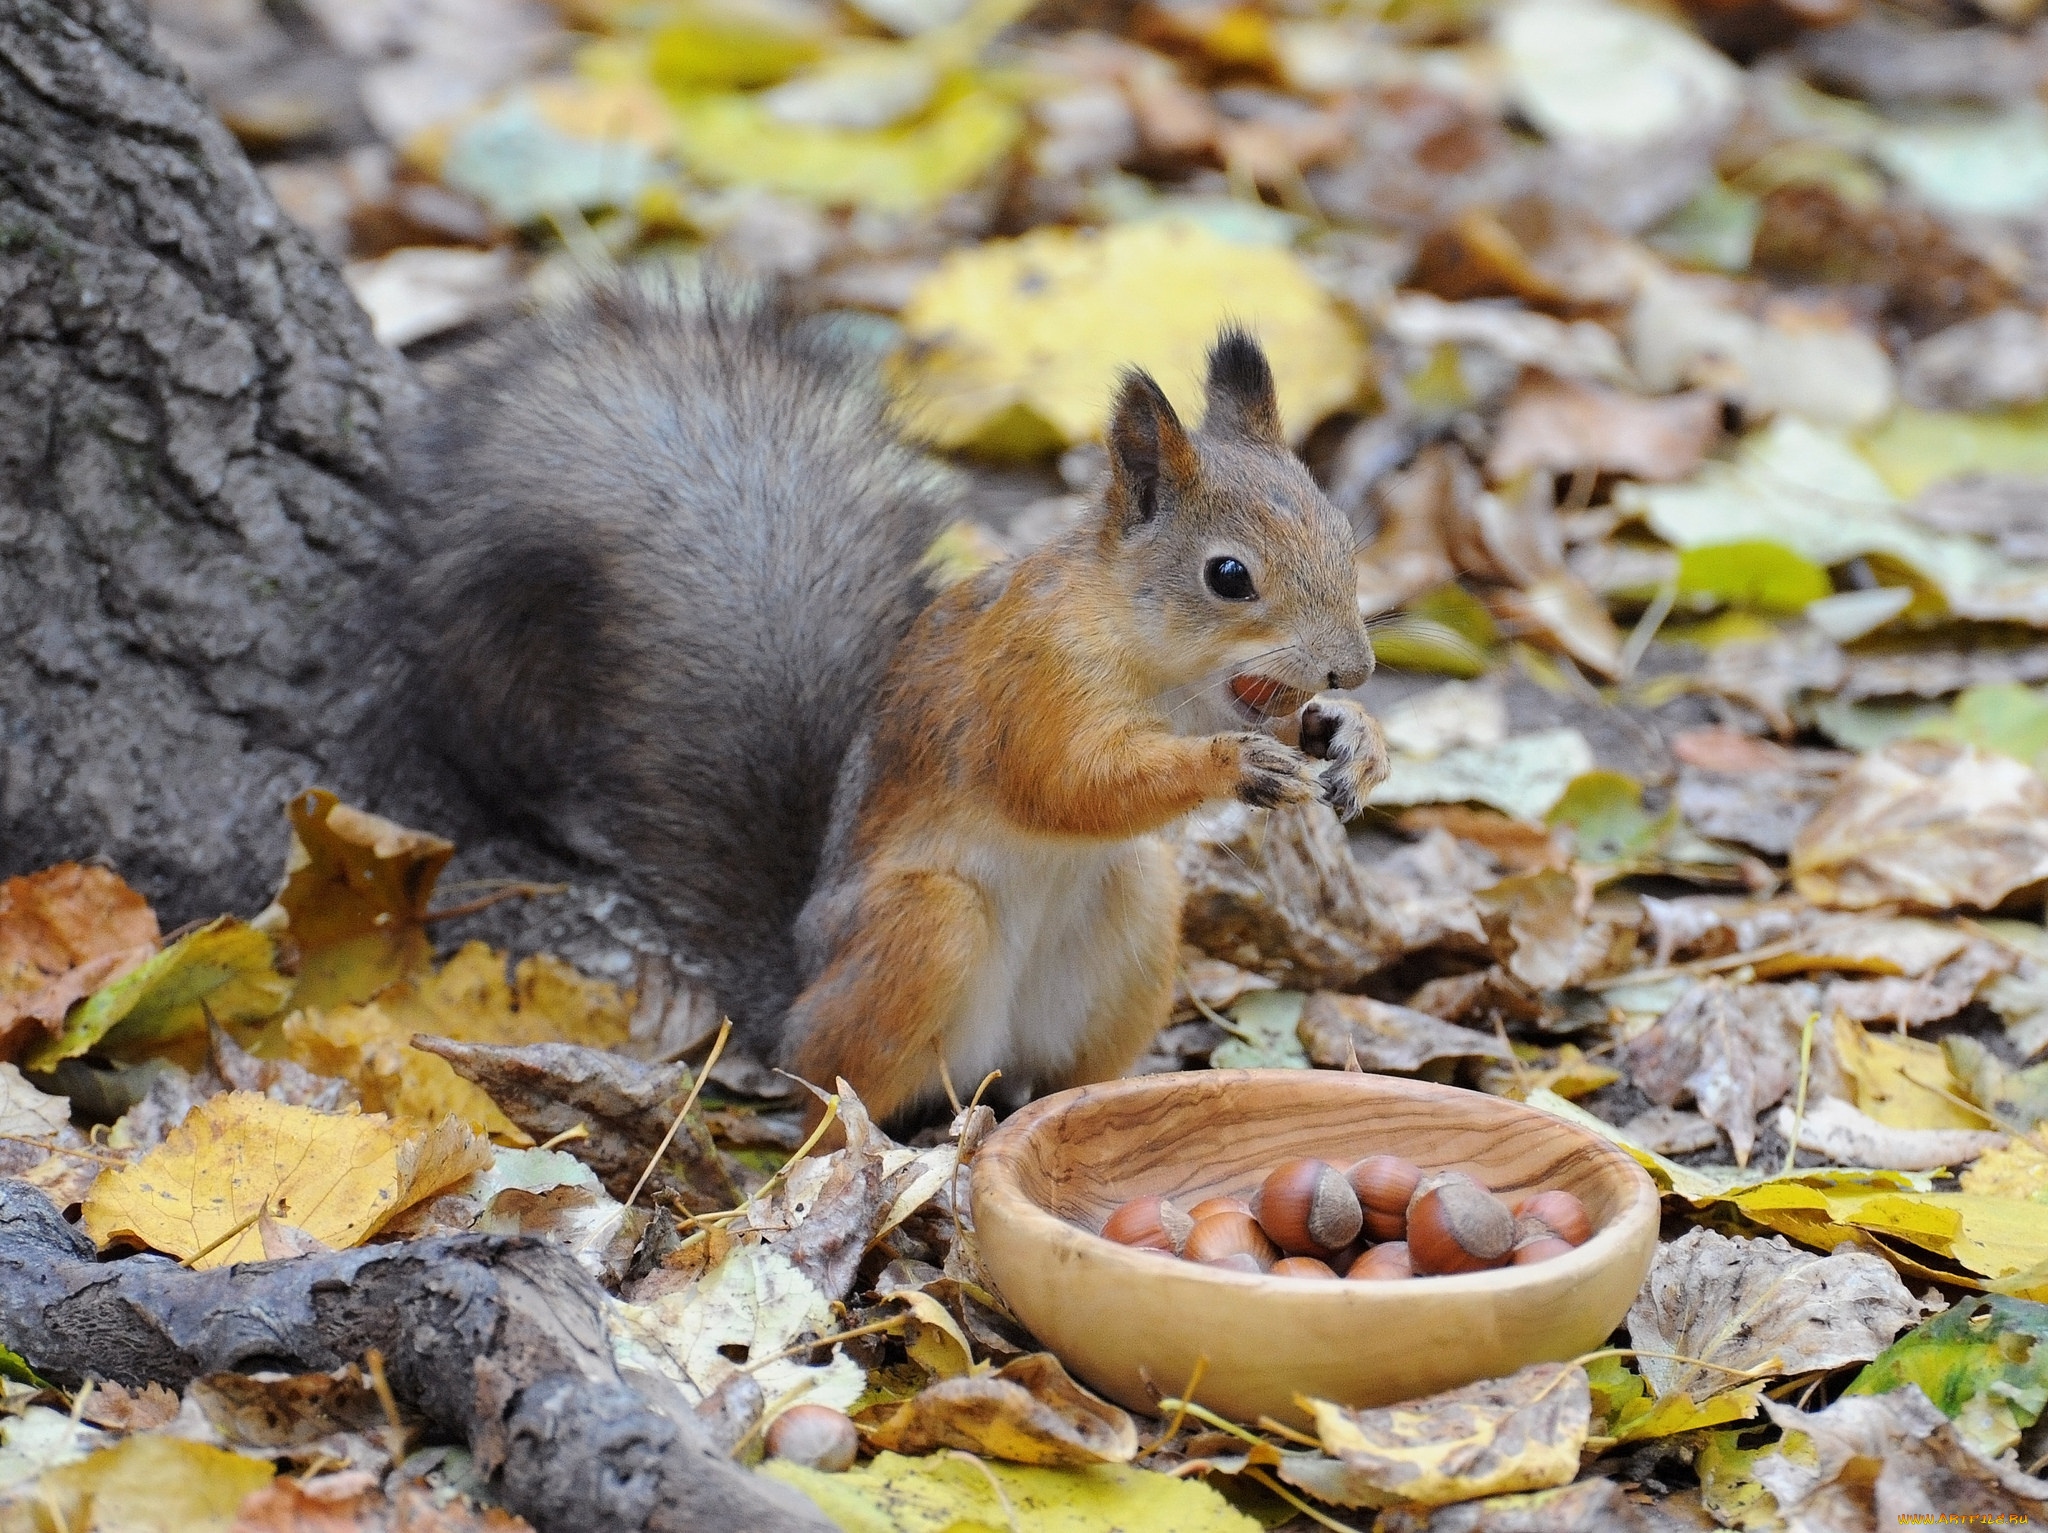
{"x": 1347, "y": 739}
{"x": 1271, "y": 774}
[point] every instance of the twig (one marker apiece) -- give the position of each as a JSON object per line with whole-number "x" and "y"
{"x": 394, "y": 1427}
{"x": 873, "y": 1327}
{"x": 1181, "y": 1412}
{"x": 1323, "y": 1519}
{"x": 946, "y": 1078}
{"x": 1769, "y": 950}
{"x": 1208, "y": 1417}
{"x": 214, "y": 1245}
{"x": 1799, "y": 1103}
{"x": 1282, "y": 1429}
{"x": 1584, "y": 1358}
{"x": 724, "y": 1214}
{"x": 995, "y": 1485}
{"x": 1212, "y": 1013}
{"x": 58, "y": 1149}
{"x": 495, "y": 897}
{"x": 568, "y": 1135}
{"x": 690, "y": 1101}
{"x": 1644, "y": 634}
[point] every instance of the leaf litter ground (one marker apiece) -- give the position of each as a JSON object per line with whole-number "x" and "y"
{"x": 1685, "y": 375}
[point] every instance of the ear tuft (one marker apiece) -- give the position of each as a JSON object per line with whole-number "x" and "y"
{"x": 1148, "y": 449}
{"x": 1242, "y": 402}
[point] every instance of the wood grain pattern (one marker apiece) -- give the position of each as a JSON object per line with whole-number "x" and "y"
{"x": 1133, "y": 1324}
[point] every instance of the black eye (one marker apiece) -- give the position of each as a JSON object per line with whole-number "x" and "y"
{"x": 1229, "y": 579}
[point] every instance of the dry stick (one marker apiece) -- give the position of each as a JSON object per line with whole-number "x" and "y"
{"x": 568, "y": 1136}
{"x": 495, "y": 897}
{"x": 1212, "y": 1013}
{"x": 215, "y": 1244}
{"x": 1203, "y": 1414}
{"x": 1282, "y": 1429}
{"x": 690, "y": 1101}
{"x": 1181, "y": 1413}
{"x": 1763, "y": 1372}
{"x": 1644, "y": 634}
{"x": 1726, "y": 961}
{"x": 946, "y": 1078}
{"x": 724, "y": 1214}
{"x": 1799, "y": 1104}
{"x": 394, "y": 1428}
{"x": 1253, "y": 1472}
{"x": 58, "y": 1149}
{"x": 2003, "y": 1124}
{"x": 873, "y": 1327}
{"x": 995, "y": 1485}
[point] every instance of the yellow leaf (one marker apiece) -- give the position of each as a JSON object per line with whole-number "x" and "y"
{"x": 1916, "y": 448}
{"x": 1035, "y": 330}
{"x": 468, "y": 999}
{"x": 936, "y": 1494}
{"x": 2017, "y": 1171}
{"x": 1900, "y": 1081}
{"x": 238, "y": 1155}
{"x": 156, "y": 1008}
{"x": 354, "y": 899}
{"x": 147, "y": 1484}
{"x": 1681, "y": 1413}
{"x": 733, "y": 137}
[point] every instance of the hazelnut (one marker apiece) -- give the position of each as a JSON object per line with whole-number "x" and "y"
{"x": 1384, "y": 1184}
{"x": 1208, "y": 1206}
{"x": 1302, "y": 1266}
{"x": 1149, "y": 1222}
{"x": 1455, "y": 1225}
{"x": 1541, "y": 1249}
{"x": 1564, "y": 1214}
{"x": 1237, "y": 1261}
{"x": 1308, "y": 1208}
{"x": 1229, "y": 1234}
{"x": 1382, "y": 1263}
{"x": 816, "y": 1436}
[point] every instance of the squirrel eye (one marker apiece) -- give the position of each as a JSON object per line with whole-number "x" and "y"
{"x": 1229, "y": 579}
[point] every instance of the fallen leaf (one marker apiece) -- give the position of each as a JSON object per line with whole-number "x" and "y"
{"x": 626, "y": 1106}
{"x": 354, "y": 899}
{"x": 39, "y": 1439}
{"x": 236, "y": 1156}
{"x": 1454, "y": 715}
{"x": 1928, "y": 823}
{"x": 2019, "y": 1170}
{"x": 1546, "y": 935}
{"x": 330, "y": 1503}
{"x": 1027, "y": 1412}
{"x": 1265, "y": 1034}
{"x": 119, "y": 1409}
{"x": 156, "y": 1007}
{"x": 64, "y": 933}
{"x": 1520, "y": 1433}
{"x": 421, "y": 291}
{"x": 1523, "y": 777}
{"x": 1627, "y": 1410}
{"x": 274, "y": 1412}
{"x": 1761, "y": 1305}
{"x": 1565, "y": 1071}
{"x": 944, "y": 1494}
{"x": 1983, "y": 1363}
{"x": 150, "y": 1484}
{"x": 1337, "y": 1029}
{"x": 1594, "y": 70}
{"x": 1762, "y": 810}
{"x": 1589, "y": 1503}
{"x": 1882, "y": 1460}
{"x": 1609, "y": 825}
{"x": 2018, "y": 1097}
{"x": 1668, "y": 1131}
{"x": 1733, "y": 1048}
{"x": 1900, "y": 1082}
{"x": 1017, "y": 343}
{"x": 1214, "y": 983}
{"x": 1729, "y": 1488}
{"x": 1563, "y": 425}
{"x": 1837, "y": 1130}
{"x": 1995, "y": 360}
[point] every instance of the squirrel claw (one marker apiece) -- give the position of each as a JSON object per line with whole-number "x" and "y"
{"x": 1342, "y": 734}
{"x": 1273, "y": 774}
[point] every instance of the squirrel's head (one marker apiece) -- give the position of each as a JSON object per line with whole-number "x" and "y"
{"x": 1239, "y": 567}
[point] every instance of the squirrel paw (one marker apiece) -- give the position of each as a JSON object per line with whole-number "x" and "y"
{"x": 1342, "y": 734}
{"x": 1272, "y": 774}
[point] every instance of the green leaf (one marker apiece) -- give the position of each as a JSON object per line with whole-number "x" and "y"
{"x": 2002, "y": 716}
{"x": 1605, "y": 811}
{"x": 1984, "y": 1364}
{"x": 1760, "y": 576}
{"x": 1729, "y": 1488}
{"x": 1917, "y": 448}
{"x": 948, "y": 1494}
{"x": 15, "y": 1367}
{"x": 227, "y": 964}
{"x": 1447, "y": 631}
{"x": 1266, "y": 1022}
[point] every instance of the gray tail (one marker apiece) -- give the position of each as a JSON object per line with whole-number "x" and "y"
{"x": 666, "y": 547}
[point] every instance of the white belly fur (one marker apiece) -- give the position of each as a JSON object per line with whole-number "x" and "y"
{"x": 1057, "y": 948}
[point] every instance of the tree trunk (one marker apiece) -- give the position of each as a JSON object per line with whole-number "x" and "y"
{"x": 195, "y": 518}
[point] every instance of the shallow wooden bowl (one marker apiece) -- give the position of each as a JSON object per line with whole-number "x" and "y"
{"x": 1133, "y": 1324}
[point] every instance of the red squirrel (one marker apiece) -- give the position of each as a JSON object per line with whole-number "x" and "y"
{"x": 672, "y": 610}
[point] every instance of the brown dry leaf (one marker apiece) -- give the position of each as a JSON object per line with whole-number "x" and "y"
{"x": 64, "y": 932}
{"x": 120, "y": 1409}
{"x": 1850, "y": 1138}
{"x": 1337, "y": 1029}
{"x": 1762, "y": 1304}
{"x": 1926, "y": 823}
{"x": 1551, "y": 255}
{"x": 1520, "y": 1433}
{"x": 1547, "y": 934}
{"x": 1417, "y": 506}
{"x": 1884, "y": 1460}
{"x": 1027, "y": 1412}
{"x": 237, "y": 1156}
{"x": 1668, "y": 1131}
{"x": 1709, "y": 925}
{"x": 1560, "y": 425}
{"x": 1212, "y": 982}
{"x": 1912, "y": 1002}
{"x": 275, "y": 1412}
{"x": 1479, "y": 999}
{"x": 1770, "y": 674}
{"x": 626, "y": 1105}
{"x": 354, "y": 899}
{"x": 1584, "y": 1504}
{"x": 1523, "y": 545}
{"x": 1517, "y": 846}
{"x": 349, "y": 1502}
{"x": 1762, "y": 810}
{"x": 1733, "y": 1048}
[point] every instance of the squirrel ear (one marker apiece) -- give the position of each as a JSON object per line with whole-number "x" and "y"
{"x": 1146, "y": 446}
{"x": 1241, "y": 398}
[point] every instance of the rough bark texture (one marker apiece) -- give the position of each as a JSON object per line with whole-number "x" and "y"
{"x": 497, "y": 1341}
{"x": 195, "y": 524}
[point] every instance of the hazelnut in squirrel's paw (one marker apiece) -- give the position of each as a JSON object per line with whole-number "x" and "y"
{"x": 1341, "y": 733}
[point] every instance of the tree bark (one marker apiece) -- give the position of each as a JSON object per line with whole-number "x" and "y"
{"x": 499, "y": 1342}
{"x": 196, "y": 515}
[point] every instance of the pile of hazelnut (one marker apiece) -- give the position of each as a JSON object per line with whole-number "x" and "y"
{"x": 1383, "y": 1218}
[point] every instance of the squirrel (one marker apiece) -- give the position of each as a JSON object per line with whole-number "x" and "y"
{"x": 671, "y": 608}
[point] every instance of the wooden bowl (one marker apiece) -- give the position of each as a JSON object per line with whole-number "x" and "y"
{"x": 1133, "y": 1323}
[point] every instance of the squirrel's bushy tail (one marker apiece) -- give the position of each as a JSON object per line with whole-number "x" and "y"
{"x": 666, "y": 547}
